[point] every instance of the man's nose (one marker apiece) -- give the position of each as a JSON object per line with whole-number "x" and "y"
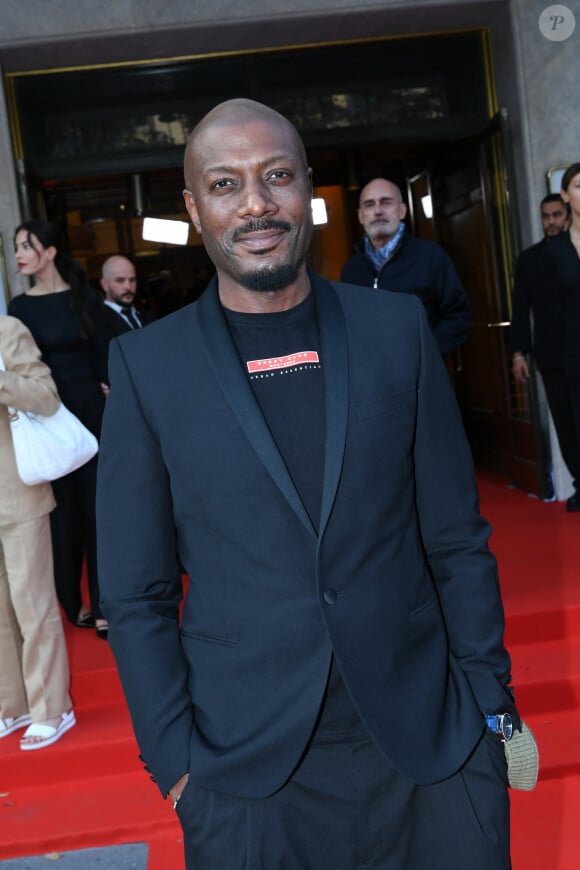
{"x": 257, "y": 199}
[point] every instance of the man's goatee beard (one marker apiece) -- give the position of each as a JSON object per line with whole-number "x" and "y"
{"x": 269, "y": 279}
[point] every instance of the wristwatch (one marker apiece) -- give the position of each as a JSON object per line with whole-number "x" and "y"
{"x": 501, "y": 724}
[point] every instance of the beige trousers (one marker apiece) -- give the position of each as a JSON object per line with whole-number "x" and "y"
{"x": 34, "y": 670}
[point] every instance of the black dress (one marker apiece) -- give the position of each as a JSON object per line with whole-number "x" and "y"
{"x": 78, "y": 366}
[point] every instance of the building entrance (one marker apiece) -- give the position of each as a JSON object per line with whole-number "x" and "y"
{"x": 101, "y": 149}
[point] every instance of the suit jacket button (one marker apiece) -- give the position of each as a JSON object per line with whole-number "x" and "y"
{"x": 330, "y": 596}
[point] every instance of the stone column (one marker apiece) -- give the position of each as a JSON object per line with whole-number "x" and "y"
{"x": 9, "y": 207}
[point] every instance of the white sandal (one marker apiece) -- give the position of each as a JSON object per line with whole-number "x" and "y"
{"x": 10, "y": 724}
{"x": 46, "y": 733}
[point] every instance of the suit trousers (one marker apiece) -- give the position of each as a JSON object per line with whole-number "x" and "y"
{"x": 560, "y": 393}
{"x": 347, "y": 808}
{"x": 34, "y": 670}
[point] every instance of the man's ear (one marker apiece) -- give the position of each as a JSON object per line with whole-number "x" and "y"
{"x": 402, "y": 211}
{"x": 191, "y": 207}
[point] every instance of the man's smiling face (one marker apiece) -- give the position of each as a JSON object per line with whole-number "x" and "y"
{"x": 249, "y": 194}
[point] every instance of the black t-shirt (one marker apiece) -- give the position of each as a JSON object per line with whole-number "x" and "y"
{"x": 281, "y": 354}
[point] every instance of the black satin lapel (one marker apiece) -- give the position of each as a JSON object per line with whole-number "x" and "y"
{"x": 233, "y": 381}
{"x": 335, "y": 366}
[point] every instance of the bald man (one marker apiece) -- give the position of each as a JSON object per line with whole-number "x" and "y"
{"x": 389, "y": 257}
{"x": 333, "y": 692}
{"x": 119, "y": 284}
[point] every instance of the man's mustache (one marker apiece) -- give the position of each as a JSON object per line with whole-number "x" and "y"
{"x": 259, "y": 226}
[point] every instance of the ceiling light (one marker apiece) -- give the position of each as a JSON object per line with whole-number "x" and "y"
{"x": 319, "y": 213}
{"x": 165, "y": 231}
{"x": 427, "y": 205}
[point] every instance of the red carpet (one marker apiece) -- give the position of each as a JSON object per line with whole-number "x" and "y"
{"x": 89, "y": 789}
{"x": 538, "y": 550}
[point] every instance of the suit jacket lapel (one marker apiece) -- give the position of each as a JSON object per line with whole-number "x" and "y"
{"x": 335, "y": 366}
{"x": 234, "y": 383}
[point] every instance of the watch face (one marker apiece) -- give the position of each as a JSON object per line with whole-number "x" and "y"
{"x": 505, "y": 726}
{"x": 501, "y": 724}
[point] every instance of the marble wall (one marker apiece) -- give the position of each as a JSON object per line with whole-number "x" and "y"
{"x": 9, "y": 209}
{"x": 548, "y": 83}
{"x": 29, "y": 23}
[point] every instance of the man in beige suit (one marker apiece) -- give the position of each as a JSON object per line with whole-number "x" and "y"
{"x": 34, "y": 674}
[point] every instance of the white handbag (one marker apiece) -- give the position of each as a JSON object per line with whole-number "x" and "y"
{"x": 47, "y": 448}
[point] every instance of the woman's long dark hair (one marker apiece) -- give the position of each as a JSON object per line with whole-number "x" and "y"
{"x": 50, "y": 235}
{"x": 570, "y": 173}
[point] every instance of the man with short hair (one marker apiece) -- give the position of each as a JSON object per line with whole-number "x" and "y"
{"x": 533, "y": 297}
{"x": 334, "y": 690}
{"x": 119, "y": 283}
{"x": 389, "y": 257}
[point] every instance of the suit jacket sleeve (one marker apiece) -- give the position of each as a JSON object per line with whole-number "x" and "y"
{"x": 139, "y": 578}
{"x": 455, "y": 538}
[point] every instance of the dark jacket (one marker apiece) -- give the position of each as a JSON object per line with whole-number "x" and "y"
{"x": 423, "y": 268}
{"x": 397, "y": 580}
{"x": 116, "y": 323}
{"x": 536, "y": 292}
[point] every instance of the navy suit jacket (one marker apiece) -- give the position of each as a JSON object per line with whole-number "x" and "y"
{"x": 116, "y": 323}
{"x": 398, "y": 581}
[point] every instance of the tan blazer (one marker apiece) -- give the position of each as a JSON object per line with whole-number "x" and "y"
{"x": 28, "y": 386}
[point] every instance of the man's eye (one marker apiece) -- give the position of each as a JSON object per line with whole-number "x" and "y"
{"x": 221, "y": 183}
{"x": 278, "y": 174}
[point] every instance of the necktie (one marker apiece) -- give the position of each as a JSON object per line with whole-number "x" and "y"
{"x": 128, "y": 314}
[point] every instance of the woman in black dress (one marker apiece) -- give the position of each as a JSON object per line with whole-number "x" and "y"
{"x": 64, "y": 316}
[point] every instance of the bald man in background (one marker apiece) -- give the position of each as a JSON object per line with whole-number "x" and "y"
{"x": 119, "y": 283}
{"x": 389, "y": 257}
